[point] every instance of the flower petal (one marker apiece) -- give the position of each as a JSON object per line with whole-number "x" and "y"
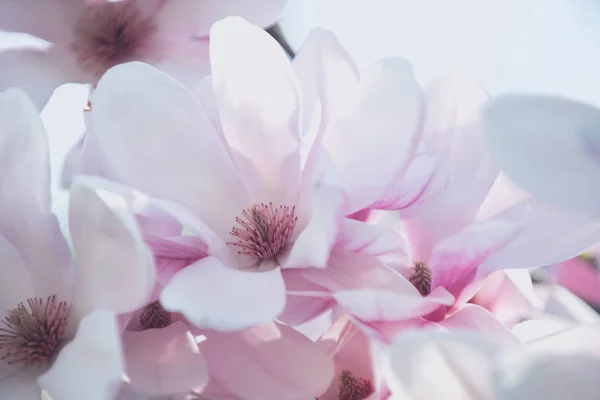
{"x": 165, "y": 145}
{"x": 259, "y": 104}
{"x": 548, "y": 146}
{"x": 581, "y": 278}
{"x": 385, "y": 114}
{"x": 115, "y": 269}
{"x": 326, "y": 74}
{"x": 455, "y": 261}
{"x": 212, "y": 295}
{"x": 25, "y": 215}
{"x": 549, "y": 235}
{"x": 22, "y": 384}
{"x": 476, "y": 318}
{"x": 431, "y": 364}
{"x": 299, "y": 308}
{"x": 255, "y": 364}
{"x": 38, "y": 71}
{"x": 164, "y": 361}
{"x": 370, "y": 239}
{"x": 90, "y": 366}
{"x": 261, "y": 13}
{"x": 16, "y": 282}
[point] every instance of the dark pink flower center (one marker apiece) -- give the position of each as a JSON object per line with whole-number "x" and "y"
{"x": 110, "y": 33}
{"x": 154, "y": 316}
{"x": 264, "y": 230}
{"x": 421, "y": 277}
{"x": 352, "y": 388}
{"x": 32, "y": 333}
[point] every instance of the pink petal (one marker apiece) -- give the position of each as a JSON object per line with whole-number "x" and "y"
{"x": 580, "y": 278}
{"x": 175, "y": 19}
{"x": 388, "y": 106}
{"x": 431, "y": 364}
{"x": 261, "y": 13}
{"x": 186, "y": 59}
{"x": 426, "y": 178}
{"x": 455, "y": 260}
{"x": 212, "y": 295}
{"x": 547, "y": 146}
{"x": 271, "y": 361}
{"x": 90, "y": 366}
{"x": 165, "y": 145}
{"x": 314, "y": 244}
{"x": 26, "y": 221}
{"x": 298, "y": 308}
{"x": 16, "y": 282}
{"x": 326, "y": 74}
{"x": 549, "y": 235}
{"x": 370, "y": 239}
{"x": 51, "y": 20}
{"x": 259, "y": 104}
{"x": 350, "y": 349}
{"x": 164, "y": 361}
{"x": 476, "y": 318}
{"x": 373, "y": 305}
{"x": 38, "y": 71}
{"x": 115, "y": 269}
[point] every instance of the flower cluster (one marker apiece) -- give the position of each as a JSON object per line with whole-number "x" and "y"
{"x": 244, "y": 226}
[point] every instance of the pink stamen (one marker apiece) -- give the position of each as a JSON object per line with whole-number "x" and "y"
{"x": 352, "y": 388}
{"x": 32, "y": 334}
{"x": 421, "y": 277}
{"x": 154, "y": 316}
{"x": 264, "y": 230}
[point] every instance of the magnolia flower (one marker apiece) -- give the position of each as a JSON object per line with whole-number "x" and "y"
{"x": 581, "y": 276}
{"x": 471, "y": 366}
{"x": 549, "y": 146}
{"x": 55, "y": 318}
{"x": 87, "y": 38}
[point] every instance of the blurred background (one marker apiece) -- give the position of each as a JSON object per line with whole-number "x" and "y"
{"x": 548, "y": 46}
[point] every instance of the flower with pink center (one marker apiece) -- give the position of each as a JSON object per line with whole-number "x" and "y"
{"x": 54, "y": 318}
{"x": 87, "y": 38}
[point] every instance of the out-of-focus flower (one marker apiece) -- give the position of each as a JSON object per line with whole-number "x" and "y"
{"x": 549, "y": 146}
{"x": 581, "y": 276}
{"x": 459, "y": 365}
{"x": 55, "y": 318}
{"x": 87, "y": 38}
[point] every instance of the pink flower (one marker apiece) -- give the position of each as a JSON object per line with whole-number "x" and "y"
{"x": 549, "y": 146}
{"x": 581, "y": 276}
{"x": 41, "y": 291}
{"x": 432, "y": 364}
{"x": 87, "y": 38}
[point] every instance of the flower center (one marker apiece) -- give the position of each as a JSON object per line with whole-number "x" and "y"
{"x": 352, "y": 388}
{"x": 32, "y": 333}
{"x": 264, "y": 230}
{"x": 154, "y": 316}
{"x": 421, "y": 277}
{"x": 110, "y": 33}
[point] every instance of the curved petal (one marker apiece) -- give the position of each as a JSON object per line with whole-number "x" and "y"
{"x": 164, "y": 145}
{"x": 376, "y": 240}
{"x": 38, "y": 71}
{"x": 259, "y": 104}
{"x": 549, "y": 146}
{"x": 462, "y": 361}
{"x": 25, "y": 216}
{"x": 327, "y": 75}
{"x": 212, "y": 295}
{"x": 255, "y": 364}
{"x": 164, "y": 361}
{"x": 581, "y": 278}
{"x": 16, "y": 282}
{"x": 455, "y": 261}
{"x": 51, "y": 20}
{"x": 385, "y": 114}
{"x": 314, "y": 244}
{"x": 476, "y": 318}
{"x": 299, "y": 308}
{"x": 261, "y": 13}
{"x": 373, "y": 305}
{"x": 426, "y": 178}
{"x": 115, "y": 269}
{"x": 73, "y": 376}
{"x": 549, "y": 235}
